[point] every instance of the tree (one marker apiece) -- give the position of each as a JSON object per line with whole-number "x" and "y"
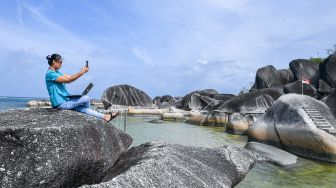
{"x": 331, "y": 50}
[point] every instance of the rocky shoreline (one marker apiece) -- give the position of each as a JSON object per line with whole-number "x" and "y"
{"x": 59, "y": 148}
{"x": 287, "y": 113}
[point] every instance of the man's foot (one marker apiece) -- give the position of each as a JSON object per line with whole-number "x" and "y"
{"x": 110, "y": 116}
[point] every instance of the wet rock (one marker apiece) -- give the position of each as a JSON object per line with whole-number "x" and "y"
{"x": 173, "y": 116}
{"x": 286, "y": 76}
{"x": 51, "y": 148}
{"x": 267, "y": 77}
{"x": 252, "y": 102}
{"x": 156, "y": 121}
{"x": 296, "y": 87}
{"x": 125, "y": 95}
{"x": 163, "y": 165}
{"x": 300, "y": 125}
{"x": 271, "y": 154}
{"x": 306, "y": 69}
{"x": 203, "y": 100}
{"x": 213, "y": 118}
{"x": 238, "y": 124}
{"x": 328, "y": 70}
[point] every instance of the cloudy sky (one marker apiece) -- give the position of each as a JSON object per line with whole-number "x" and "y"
{"x": 159, "y": 46}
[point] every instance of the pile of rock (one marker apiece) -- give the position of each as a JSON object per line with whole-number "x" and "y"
{"x": 125, "y": 95}
{"x": 60, "y": 148}
{"x": 299, "y": 124}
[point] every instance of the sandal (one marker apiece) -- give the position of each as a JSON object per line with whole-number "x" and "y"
{"x": 113, "y": 116}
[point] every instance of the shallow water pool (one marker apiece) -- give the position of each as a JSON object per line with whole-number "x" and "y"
{"x": 306, "y": 173}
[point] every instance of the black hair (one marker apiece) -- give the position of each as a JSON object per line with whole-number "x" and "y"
{"x": 53, "y": 57}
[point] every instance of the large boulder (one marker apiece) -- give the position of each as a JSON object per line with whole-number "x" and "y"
{"x": 213, "y": 118}
{"x": 324, "y": 89}
{"x": 271, "y": 154}
{"x": 203, "y": 100}
{"x": 330, "y": 101}
{"x": 267, "y": 77}
{"x": 125, "y": 95}
{"x": 305, "y": 69}
{"x": 286, "y": 76}
{"x": 252, "y": 102}
{"x": 238, "y": 124}
{"x": 297, "y": 86}
{"x": 48, "y": 148}
{"x": 328, "y": 70}
{"x": 162, "y": 165}
{"x": 299, "y": 124}
{"x": 163, "y": 100}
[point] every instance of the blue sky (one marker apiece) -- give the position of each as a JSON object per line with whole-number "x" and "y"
{"x": 160, "y": 46}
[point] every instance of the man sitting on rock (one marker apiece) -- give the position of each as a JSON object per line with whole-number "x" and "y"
{"x": 55, "y": 82}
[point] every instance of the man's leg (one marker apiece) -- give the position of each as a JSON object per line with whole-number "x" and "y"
{"x": 88, "y": 111}
{"x": 73, "y": 103}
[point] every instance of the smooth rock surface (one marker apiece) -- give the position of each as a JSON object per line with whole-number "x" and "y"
{"x": 300, "y": 125}
{"x": 203, "y": 100}
{"x": 56, "y": 148}
{"x": 330, "y": 101}
{"x": 163, "y": 100}
{"x": 252, "y": 102}
{"x": 238, "y": 124}
{"x": 271, "y": 154}
{"x": 162, "y": 165}
{"x": 286, "y": 76}
{"x": 328, "y": 70}
{"x": 267, "y": 77}
{"x": 324, "y": 88}
{"x": 173, "y": 116}
{"x": 125, "y": 95}
{"x": 296, "y": 87}
{"x": 213, "y": 118}
{"x": 306, "y": 69}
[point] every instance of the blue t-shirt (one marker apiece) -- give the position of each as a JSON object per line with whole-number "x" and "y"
{"x": 57, "y": 91}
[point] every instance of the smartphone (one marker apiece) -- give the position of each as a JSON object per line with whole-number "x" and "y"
{"x": 87, "y": 64}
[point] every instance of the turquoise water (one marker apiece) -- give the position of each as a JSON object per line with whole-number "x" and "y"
{"x": 306, "y": 173}
{"x": 7, "y": 103}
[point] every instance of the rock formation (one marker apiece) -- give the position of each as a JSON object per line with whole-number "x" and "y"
{"x": 271, "y": 154}
{"x": 298, "y": 124}
{"x": 51, "y": 148}
{"x": 203, "y": 100}
{"x": 163, "y": 165}
{"x": 296, "y": 87}
{"x": 328, "y": 70}
{"x": 267, "y": 77}
{"x": 286, "y": 76}
{"x": 125, "y": 95}
{"x": 252, "y": 102}
{"x": 324, "y": 89}
{"x": 237, "y": 124}
{"x": 330, "y": 101}
{"x": 306, "y": 69}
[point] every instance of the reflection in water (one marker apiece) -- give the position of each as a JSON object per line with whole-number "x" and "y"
{"x": 305, "y": 173}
